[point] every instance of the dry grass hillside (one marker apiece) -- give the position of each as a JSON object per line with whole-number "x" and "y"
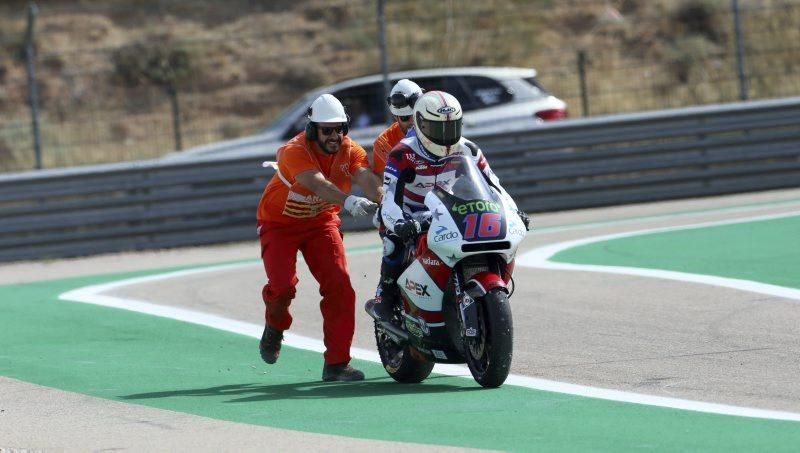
{"x": 235, "y": 64}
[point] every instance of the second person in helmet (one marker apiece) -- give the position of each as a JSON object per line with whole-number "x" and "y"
{"x": 401, "y": 102}
{"x": 410, "y": 173}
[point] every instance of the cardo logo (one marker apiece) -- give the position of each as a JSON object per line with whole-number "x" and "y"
{"x": 517, "y": 231}
{"x": 443, "y": 234}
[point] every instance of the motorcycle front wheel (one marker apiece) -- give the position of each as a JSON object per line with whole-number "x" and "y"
{"x": 402, "y": 364}
{"x": 489, "y": 354}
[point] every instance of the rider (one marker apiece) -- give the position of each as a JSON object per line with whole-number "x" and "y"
{"x": 410, "y": 173}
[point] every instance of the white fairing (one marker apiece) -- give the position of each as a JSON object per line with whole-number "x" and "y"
{"x": 420, "y": 288}
{"x": 446, "y": 240}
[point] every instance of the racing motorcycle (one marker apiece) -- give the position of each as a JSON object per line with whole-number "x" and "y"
{"x": 456, "y": 285}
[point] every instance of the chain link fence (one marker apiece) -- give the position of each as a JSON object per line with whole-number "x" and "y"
{"x": 92, "y": 82}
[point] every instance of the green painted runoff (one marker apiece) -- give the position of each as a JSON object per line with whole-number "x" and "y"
{"x": 162, "y": 363}
{"x": 766, "y": 251}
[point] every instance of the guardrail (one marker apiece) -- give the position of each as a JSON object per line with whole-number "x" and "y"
{"x": 565, "y": 165}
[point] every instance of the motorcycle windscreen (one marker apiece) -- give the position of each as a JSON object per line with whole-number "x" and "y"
{"x": 474, "y": 206}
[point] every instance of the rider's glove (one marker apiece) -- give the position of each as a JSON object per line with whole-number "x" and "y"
{"x": 357, "y": 206}
{"x": 407, "y": 229}
{"x": 422, "y": 217}
{"x": 525, "y": 219}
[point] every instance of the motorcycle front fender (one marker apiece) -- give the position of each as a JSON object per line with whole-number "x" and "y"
{"x": 483, "y": 282}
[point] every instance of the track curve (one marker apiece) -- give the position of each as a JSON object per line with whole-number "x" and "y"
{"x": 636, "y": 334}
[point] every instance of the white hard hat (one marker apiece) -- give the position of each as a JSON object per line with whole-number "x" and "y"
{"x": 402, "y": 97}
{"x": 327, "y": 109}
{"x": 438, "y": 116}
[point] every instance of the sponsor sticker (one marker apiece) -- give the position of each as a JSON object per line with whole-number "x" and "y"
{"x": 418, "y": 289}
{"x": 413, "y": 328}
{"x": 517, "y": 231}
{"x": 476, "y": 206}
{"x": 443, "y": 235}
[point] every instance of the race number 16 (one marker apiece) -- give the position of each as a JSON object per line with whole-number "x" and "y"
{"x": 486, "y": 225}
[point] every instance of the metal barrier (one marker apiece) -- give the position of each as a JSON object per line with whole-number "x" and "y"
{"x": 562, "y": 165}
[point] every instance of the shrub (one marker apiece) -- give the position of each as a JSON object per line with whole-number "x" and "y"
{"x": 697, "y": 18}
{"x": 158, "y": 61}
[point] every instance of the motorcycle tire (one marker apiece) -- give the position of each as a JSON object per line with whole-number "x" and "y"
{"x": 399, "y": 361}
{"x": 489, "y": 355}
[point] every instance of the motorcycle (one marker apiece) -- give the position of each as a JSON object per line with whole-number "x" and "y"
{"x": 456, "y": 286}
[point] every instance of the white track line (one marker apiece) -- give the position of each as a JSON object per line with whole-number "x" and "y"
{"x": 540, "y": 258}
{"x": 94, "y": 295}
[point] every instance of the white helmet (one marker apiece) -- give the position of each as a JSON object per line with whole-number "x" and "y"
{"x": 437, "y": 116}
{"x": 327, "y": 109}
{"x": 402, "y": 97}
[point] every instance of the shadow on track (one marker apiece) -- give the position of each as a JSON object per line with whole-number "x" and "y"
{"x": 250, "y": 392}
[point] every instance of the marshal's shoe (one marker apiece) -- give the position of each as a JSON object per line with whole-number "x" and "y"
{"x": 270, "y": 345}
{"x": 341, "y": 372}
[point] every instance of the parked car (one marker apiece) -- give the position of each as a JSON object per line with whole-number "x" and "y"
{"x": 494, "y": 99}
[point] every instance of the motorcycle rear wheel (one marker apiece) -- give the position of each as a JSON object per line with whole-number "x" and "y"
{"x": 399, "y": 361}
{"x": 489, "y": 355}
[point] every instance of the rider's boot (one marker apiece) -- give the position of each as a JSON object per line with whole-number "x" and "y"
{"x": 387, "y": 296}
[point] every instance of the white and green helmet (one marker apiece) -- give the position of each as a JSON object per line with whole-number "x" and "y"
{"x": 438, "y": 117}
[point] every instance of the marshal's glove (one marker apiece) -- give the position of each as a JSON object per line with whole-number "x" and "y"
{"x": 525, "y": 219}
{"x": 376, "y": 219}
{"x": 407, "y": 229}
{"x": 358, "y": 206}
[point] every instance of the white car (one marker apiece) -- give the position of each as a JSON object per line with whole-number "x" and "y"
{"x": 494, "y": 99}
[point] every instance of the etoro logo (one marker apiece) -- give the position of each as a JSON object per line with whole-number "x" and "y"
{"x": 417, "y": 288}
{"x": 476, "y": 206}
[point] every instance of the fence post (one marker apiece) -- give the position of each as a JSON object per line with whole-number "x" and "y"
{"x": 172, "y": 92}
{"x": 384, "y": 57}
{"x": 737, "y": 27}
{"x": 33, "y": 93}
{"x": 582, "y": 77}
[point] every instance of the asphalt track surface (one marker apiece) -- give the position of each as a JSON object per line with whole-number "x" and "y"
{"x": 635, "y": 334}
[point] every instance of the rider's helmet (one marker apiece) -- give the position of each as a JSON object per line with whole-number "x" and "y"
{"x": 402, "y": 98}
{"x": 438, "y": 116}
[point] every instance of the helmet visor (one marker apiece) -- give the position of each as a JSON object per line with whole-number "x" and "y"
{"x": 444, "y": 133}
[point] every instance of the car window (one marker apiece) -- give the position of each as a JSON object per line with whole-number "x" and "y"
{"x": 451, "y": 85}
{"x": 487, "y": 92}
{"x": 535, "y": 83}
{"x": 364, "y": 103}
{"x": 298, "y": 125}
